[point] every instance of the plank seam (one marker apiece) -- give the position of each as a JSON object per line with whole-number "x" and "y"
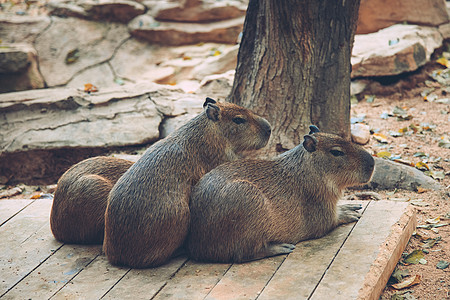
{"x": 75, "y": 275}
{"x": 339, "y": 250}
{"x": 170, "y": 278}
{"x": 17, "y": 212}
{"x": 223, "y": 275}
{"x": 26, "y": 275}
{"x": 270, "y": 279}
{"x": 115, "y": 283}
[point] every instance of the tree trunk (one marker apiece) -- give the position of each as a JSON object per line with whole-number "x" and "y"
{"x": 294, "y": 66}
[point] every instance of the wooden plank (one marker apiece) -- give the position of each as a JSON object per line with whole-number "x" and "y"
{"x": 389, "y": 255}
{"x": 193, "y": 281}
{"x": 145, "y": 283}
{"x": 26, "y": 242}
{"x": 55, "y": 272}
{"x": 246, "y": 281}
{"x": 347, "y": 273}
{"x": 93, "y": 281}
{"x": 25, "y": 223}
{"x": 304, "y": 267}
{"x": 10, "y": 207}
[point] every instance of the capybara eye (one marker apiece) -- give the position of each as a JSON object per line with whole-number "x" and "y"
{"x": 239, "y": 120}
{"x": 337, "y": 152}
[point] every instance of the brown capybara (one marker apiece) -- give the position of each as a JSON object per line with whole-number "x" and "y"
{"x": 78, "y": 210}
{"x": 251, "y": 209}
{"x": 147, "y": 217}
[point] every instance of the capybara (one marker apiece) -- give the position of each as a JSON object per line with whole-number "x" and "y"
{"x": 250, "y": 209}
{"x": 78, "y": 210}
{"x": 147, "y": 217}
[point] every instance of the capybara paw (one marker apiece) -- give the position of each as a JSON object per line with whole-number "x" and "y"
{"x": 348, "y": 216}
{"x": 350, "y": 207}
{"x": 277, "y": 249}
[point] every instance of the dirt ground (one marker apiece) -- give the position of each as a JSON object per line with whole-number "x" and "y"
{"x": 427, "y": 124}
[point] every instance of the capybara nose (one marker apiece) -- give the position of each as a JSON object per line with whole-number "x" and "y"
{"x": 267, "y": 129}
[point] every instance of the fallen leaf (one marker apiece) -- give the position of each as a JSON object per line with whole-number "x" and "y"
{"x": 435, "y": 174}
{"x": 369, "y": 98}
{"x": 37, "y": 196}
{"x": 383, "y": 154}
{"x": 72, "y": 56}
{"x": 380, "y": 138}
{"x": 442, "y": 264}
{"x": 422, "y": 166}
{"x": 443, "y": 61}
{"x": 421, "y": 190}
{"x": 403, "y": 161}
{"x": 429, "y": 243}
{"x": 398, "y": 275}
{"x": 414, "y": 257}
{"x": 90, "y": 88}
{"x": 410, "y": 281}
{"x": 434, "y": 220}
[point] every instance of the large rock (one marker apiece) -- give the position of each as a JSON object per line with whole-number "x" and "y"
{"x": 43, "y": 132}
{"x": 377, "y": 14}
{"x": 394, "y": 50}
{"x": 110, "y": 10}
{"x": 19, "y": 68}
{"x": 390, "y": 175}
{"x": 202, "y": 12}
{"x": 175, "y": 34}
{"x": 71, "y": 45}
{"x": 22, "y": 29}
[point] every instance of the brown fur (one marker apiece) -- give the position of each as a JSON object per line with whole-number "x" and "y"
{"x": 252, "y": 209}
{"x": 78, "y": 210}
{"x": 147, "y": 217}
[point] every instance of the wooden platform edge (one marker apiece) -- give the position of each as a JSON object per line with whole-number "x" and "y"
{"x": 389, "y": 255}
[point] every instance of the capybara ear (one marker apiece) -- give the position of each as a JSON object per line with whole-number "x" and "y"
{"x": 209, "y": 100}
{"x": 310, "y": 143}
{"x": 212, "y": 111}
{"x": 313, "y": 129}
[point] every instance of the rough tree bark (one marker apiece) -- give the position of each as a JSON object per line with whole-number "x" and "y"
{"x": 294, "y": 66}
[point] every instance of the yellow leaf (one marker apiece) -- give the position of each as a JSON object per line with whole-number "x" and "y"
{"x": 380, "y": 137}
{"x": 383, "y": 154}
{"x": 216, "y": 53}
{"x": 443, "y": 61}
{"x": 422, "y": 166}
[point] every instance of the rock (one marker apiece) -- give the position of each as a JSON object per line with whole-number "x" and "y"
{"x": 377, "y": 14}
{"x": 217, "y": 64}
{"x": 218, "y": 85}
{"x": 23, "y": 29}
{"x": 394, "y": 50}
{"x": 71, "y": 45}
{"x": 110, "y": 10}
{"x": 357, "y": 86}
{"x": 18, "y": 68}
{"x": 360, "y": 133}
{"x": 171, "y": 124}
{"x": 140, "y": 61}
{"x": 390, "y": 175}
{"x": 10, "y": 192}
{"x": 444, "y": 30}
{"x": 101, "y": 76}
{"x": 175, "y": 34}
{"x": 202, "y": 12}
{"x": 43, "y": 132}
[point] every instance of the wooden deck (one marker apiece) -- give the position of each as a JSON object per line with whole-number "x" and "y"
{"x": 354, "y": 261}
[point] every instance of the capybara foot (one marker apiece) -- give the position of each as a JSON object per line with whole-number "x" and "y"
{"x": 348, "y": 213}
